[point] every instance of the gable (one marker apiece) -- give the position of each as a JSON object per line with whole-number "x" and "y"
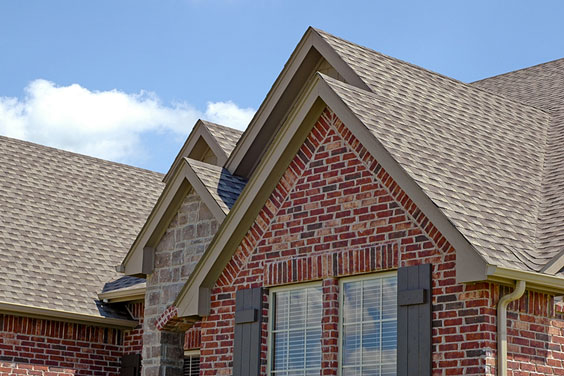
{"x": 207, "y": 142}
{"x": 312, "y": 54}
{"x": 202, "y": 152}
{"x": 334, "y": 205}
{"x": 323, "y": 93}
{"x": 139, "y": 261}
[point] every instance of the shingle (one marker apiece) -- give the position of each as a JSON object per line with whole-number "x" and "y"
{"x": 481, "y": 173}
{"x": 66, "y": 221}
{"x": 224, "y": 187}
{"x": 225, "y": 136}
{"x": 490, "y": 154}
{"x": 542, "y": 86}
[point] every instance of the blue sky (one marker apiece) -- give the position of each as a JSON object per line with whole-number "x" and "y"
{"x": 125, "y": 80}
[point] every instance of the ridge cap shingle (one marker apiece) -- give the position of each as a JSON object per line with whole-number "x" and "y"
{"x": 425, "y": 70}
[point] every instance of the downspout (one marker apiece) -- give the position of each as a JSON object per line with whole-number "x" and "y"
{"x": 502, "y": 326}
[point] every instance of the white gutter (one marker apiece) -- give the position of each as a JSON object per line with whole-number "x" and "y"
{"x": 502, "y": 326}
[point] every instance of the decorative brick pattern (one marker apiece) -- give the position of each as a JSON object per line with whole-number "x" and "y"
{"x": 193, "y": 336}
{"x": 170, "y": 313}
{"x": 334, "y": 264}
{"x": 170, "y": 322}
{"x": 176, "y": 255}
{"x": 31, "y": 346}
{"x": 336, "y": 201}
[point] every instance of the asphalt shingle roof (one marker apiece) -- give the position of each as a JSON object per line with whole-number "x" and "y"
{"x": 66, "y": 221}
{"x": 481, "y": 156}
{"x": 542, "y": 86}
{"x": 226, "y": 137}
{"x": 224, "y": 187}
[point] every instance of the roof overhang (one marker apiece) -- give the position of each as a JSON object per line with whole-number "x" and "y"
{"x": 535, "y": 281}
{"x": 128, "y": 294}
{"x": 139, "y": 259}
{"x": 284, "y": 94}
{"x": 193, "y": 299}
{"x": 58, "y": 315}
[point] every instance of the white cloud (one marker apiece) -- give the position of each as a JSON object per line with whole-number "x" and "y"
{"x": 105, "y": 124}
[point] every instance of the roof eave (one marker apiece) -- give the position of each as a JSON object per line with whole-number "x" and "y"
{"x": 123, "y": 295}
{"x": 535, "y": 281}
{"x": 59, "y": 315}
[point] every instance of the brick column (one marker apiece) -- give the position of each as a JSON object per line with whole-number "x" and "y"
{"x": 330, "y": 327}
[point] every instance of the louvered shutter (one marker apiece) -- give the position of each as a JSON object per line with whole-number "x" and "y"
{"x": 130, "y": 365}
{"x": 247, "y": 341}
{"x": 192, "y": 365}
{"x": 414, "y": 320}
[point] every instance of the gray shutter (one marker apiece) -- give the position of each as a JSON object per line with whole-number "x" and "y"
{"x": 130, "y": 365}
{"x": 414, "y": 320}
{"x": 246, "y": 350}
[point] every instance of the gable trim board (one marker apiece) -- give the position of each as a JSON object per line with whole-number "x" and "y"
{"x": 471, "y": 267}
{"x": 181, "y": 183}
{"x": 284, "y": 94}
{"x": 58, "y": 315}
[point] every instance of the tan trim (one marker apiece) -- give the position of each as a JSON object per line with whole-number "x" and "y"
{"x": 535, "y": 281}
{"x": 58, "y": 315}
{"x": 555, "y": 264}
{"x": 182, "y": 182}
{"x": 289, "y": 139}
{"x": 471, "y": 267}
{"x": 192, "y": 352}
{"x": 473, "y": 264}
{"x": 123, "y": 295}
{"x": 311, "y": 43}
{"x": 189, "y": 301}
{"x": 502, "y": 325}
{"x": 200, "y": 130}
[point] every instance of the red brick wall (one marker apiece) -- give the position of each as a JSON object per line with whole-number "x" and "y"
{"x": 42, "y": 347}
{"x": 535, "y": 335}
{"x": 192, "y": 338}
{"x": 133, "y": 339}
{"x": 337, "y": 212}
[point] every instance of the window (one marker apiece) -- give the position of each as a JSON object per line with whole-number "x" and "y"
{"x": 295, "y": 331}
{"x": 191, "y": 363}
{"x": 368, "y": 325}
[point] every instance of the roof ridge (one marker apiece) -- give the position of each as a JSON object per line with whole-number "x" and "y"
{"x": 420, "y": 68}
{"x": 72, "y": 153}
{"x": 517, "y": 70}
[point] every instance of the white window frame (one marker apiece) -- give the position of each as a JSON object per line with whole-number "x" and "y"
{"x": 343, "y": 280}
{"x": 271, "y": 312}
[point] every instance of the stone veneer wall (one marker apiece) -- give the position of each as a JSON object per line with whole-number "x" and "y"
{"x": 176, "y": 255}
